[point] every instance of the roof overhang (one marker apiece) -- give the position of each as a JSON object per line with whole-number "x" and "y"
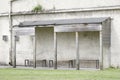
{"x": 63, "y": 22}
{"x": 62, "y": 25}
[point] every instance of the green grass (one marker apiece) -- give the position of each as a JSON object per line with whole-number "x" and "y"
{"x": 27, "y": 74}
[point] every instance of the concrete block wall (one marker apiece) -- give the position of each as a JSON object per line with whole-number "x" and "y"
{"x": 21, "y": 6}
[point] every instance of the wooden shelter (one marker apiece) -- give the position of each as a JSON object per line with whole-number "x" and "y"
{"x": 102, "y": 24}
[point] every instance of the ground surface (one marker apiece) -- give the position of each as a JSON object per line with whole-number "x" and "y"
{"x": 28, "y": 74}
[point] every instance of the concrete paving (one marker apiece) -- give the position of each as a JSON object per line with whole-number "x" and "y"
{"x": 46, "y": 68}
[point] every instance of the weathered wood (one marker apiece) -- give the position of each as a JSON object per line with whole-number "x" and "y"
{"x": 77, "y": 50}
{"x": 101, "y": 50}
{"x": 104, "y": 38}
{"x": 11, "y": 32}
{"x": 34, "y": 54}
{"x": 107, "y": 38}
{"x": 78, "y": 28}
{"x": 63, "y": 22}
{"x": 106, "y": 32}
{"x": 24, "y": 31}
{"x": 14, "y": 53}
{"x": 109, "y": 52}
{"x": 55, "y": 49}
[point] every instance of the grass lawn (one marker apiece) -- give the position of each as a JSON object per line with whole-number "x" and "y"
{"x": 27, "y": 74}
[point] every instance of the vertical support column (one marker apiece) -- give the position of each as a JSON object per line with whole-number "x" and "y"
{"x": 77, "y": 51}
{"x": 109, "y": 56}
{"x": 11, "y": 32}
{"x": 109, "y": 47}
{"x": 55, "y": 49}
{"x": 34, "y": 54}
{"x": 14, "y": 53}
{"x": 101, "y": 51}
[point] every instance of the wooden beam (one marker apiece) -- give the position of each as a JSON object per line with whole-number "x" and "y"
{"x": 14, "y": 53}
{"x": 34, "y": 54}
{"x": 77, "y": 51}
{"x": 78, "y": 28}
{"x": 55, "y": 49}
{"x": 24, "y": 31}
{"x": 101, "y": 50}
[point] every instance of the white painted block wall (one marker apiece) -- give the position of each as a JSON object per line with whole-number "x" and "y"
{"x": 59, "y": 4}
{"x": 27, "y": 5}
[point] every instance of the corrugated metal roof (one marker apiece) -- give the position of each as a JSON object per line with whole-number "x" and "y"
{"x": 63, "y": 22}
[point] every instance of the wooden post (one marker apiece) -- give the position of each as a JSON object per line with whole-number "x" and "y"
{"x": 101, "y": 51}
{"x": 55, "y": 49}
{"x": 109, "y": 56}
{"x": 34, "y": 54}
{"x": 11, "y": 36}
{"x": 14, "y": 53}
{"x": 109, "y": 52}
{"x": 77, "y": 50}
